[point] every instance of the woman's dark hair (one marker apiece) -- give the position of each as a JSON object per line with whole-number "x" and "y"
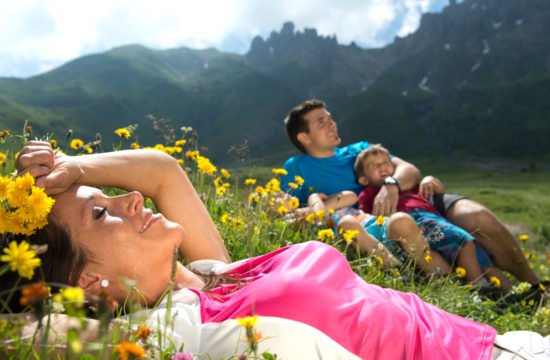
{"x": 61, "y": 263}
{"x": 295, "y": 122}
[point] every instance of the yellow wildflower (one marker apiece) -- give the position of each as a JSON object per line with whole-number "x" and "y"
{"x": 293, "y": 185}
{"x": 294, "y": 203}
{"x": 238, "y": 223}
{"x": 76, "y": 144}
{"x": 260, "y": 190}
{"x": 225, "y": 218}
{"x": 254, "y": 198}
{"x": 180, "y": 142}
{"x": 524, "y": 237}
{"x": 274, "y": 185}
{"x": 379, "y": 259}
{"x": 282, "y": 210}
{"x": 205, "y": 166}
{"x": 428, "y": 258}
{"x": 495, "y": 281}
{"x": 134, "y": 146}
{"x": 330, "y": 211}
{"x": 126, "y": 350}
{"x": 76, "y": 346}
{"x": 21, "y": 258}
{"x": 460, "y": 272}
{"x": 123, "y": 132}
{"x": 225, "y": 173}
{"x": 88, "y": 149}
{"x": 2, "y": 157}
{"x": 320, "y": 214}
{"x": 220, "y": 191}
{"x": 299, "y": 180}
{"x": 53, "y": 143}
{"x": 180, "y": 161}
{"x": 380, "y": 220}
{"x": 247, "y": 322}
{"x": 73, "y": 295}
{"x": 250, "y": 182}
{"x": 350, "y": 235}
{"x": 193, "y": 155}
{"x": 4, "y": 181}
{"x": 310, "y": 218}
{"x": 4, "y": 133}
{"x": 326, "y": 234}
{"x": 279, "y": 171}
{"x": 218, "y": 181}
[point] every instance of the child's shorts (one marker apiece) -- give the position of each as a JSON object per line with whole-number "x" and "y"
{"x": 447, "y": 238}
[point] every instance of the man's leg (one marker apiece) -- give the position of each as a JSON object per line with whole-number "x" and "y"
{"x": 493, "y": 236}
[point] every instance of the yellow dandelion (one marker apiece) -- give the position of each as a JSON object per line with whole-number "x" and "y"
{"x": 126, "y": 350}
{"x": 53, "y": 143}
{"x": 428, "y": 258}
{"x": 180, "y": 162}
{"x": 299, "y": 180}
{"x": 218, "y": 182}
{"x": 21, "y": 258}
{"x": 4, "y": 133}
{"x": 250, "y": 182}
{"x": 39, "y": 203}
{"x": 260, "y": 190}
{"x": 350, "y": 235}
{"x": 247, "y": 322}
{"x": 495, "y": 281}
{"x": 193, "y": 155}
{"x": 523, "y": 237}
{"x": 379, "y": 259}
{"x": 2, "y": 157}
{"x": 330, "y": 211}
{"x": 225, "y": 173}
{"x": 293, "y": 185}
{"x": 310, "y": 218}
{"x": 123, "y": 133}
{"x": 279, "y": 171}
{"x": 380, "y": 220}
{"x": 134, "y": 146}
{"x": 76, "y": 144}
{"x": 4, "y": 181}
{"x": 325, "y": 234}
{"x": 180, "y": 142}
{"x": 76, "y": 346}
{"x": 88, "y": 149}
{"x": 274, "y": 185}
{"x": 460, "y": 272}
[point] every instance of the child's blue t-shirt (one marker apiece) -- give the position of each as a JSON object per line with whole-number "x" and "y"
{"x": 325, "y": 175}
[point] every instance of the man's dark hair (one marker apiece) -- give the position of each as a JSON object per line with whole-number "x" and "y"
{"x": 295, "y": 122}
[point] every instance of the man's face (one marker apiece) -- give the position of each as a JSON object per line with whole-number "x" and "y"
{"x": 376, "y": 168}
{"x": 323, "y": 132}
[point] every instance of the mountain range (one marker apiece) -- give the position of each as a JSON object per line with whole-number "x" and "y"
{"x": 472, "y": 82}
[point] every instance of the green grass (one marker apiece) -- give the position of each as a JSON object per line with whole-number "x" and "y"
{"x": 520, "y": 199}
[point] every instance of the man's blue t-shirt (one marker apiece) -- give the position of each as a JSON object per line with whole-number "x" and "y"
{"x": 325, "y": 175}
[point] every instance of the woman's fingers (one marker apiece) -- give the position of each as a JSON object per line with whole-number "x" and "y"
{"x": 33, "y": 157}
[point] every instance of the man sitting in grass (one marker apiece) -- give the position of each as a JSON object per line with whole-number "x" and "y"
{"x": 328, "y": 168}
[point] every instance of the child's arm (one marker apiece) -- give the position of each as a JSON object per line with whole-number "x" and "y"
{"x": 319, "y": 201}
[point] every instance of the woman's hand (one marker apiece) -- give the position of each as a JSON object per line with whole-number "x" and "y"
{"x": 55, "y": 172}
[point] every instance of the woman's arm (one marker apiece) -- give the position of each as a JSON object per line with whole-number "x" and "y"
{"x": 153, "y": 173}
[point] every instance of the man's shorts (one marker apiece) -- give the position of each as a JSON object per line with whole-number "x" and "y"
{"x": 443, "y": 202}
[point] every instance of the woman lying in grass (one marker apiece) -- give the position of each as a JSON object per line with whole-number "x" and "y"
{"x": 97, "y": 242}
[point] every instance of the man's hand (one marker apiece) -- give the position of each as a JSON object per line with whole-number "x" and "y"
{"x": 54, "y": 172}
{"x": 385, "y": 202}
{"x": 430, "y": 186}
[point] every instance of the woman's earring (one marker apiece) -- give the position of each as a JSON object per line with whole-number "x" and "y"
{"x": 104, "y": 283}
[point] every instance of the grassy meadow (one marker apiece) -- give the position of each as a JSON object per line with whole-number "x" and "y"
{"x": 245, "y": 205}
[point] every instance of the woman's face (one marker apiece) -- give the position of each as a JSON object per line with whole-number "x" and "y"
{"x": 123, "y": 240}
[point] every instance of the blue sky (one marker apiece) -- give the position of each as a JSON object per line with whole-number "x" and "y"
{"x": 39, "y": 35}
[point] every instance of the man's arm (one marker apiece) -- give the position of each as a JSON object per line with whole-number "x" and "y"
{"x": 406, "y": 173}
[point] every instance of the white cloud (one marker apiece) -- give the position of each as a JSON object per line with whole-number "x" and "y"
{"x": 37, "y": 35}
